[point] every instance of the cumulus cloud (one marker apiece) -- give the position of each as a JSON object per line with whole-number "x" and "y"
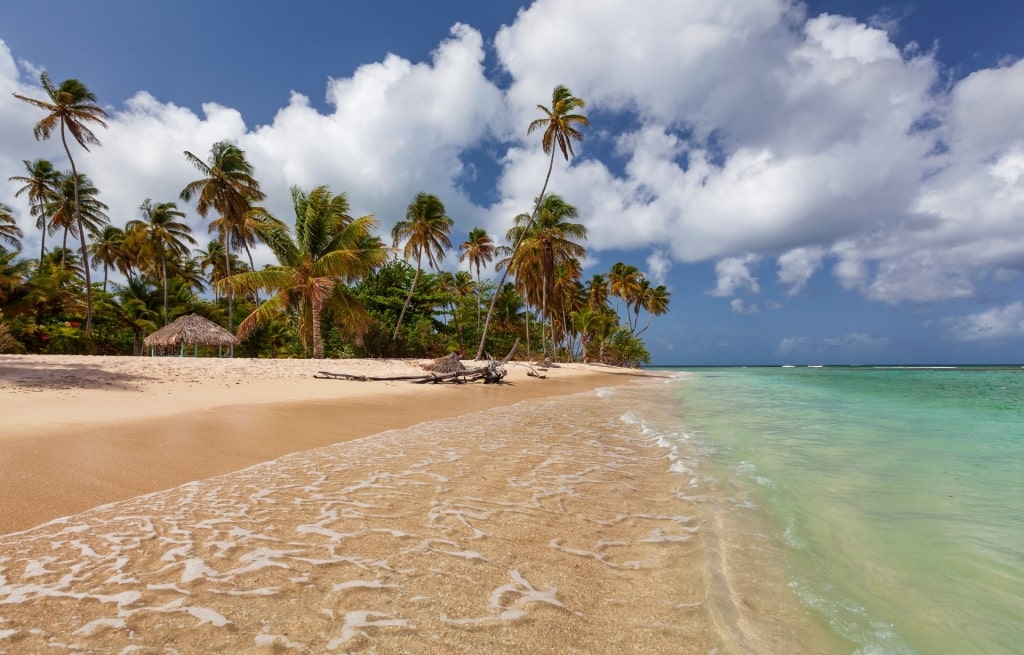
{"x": 797, "y": 266}
{"x": 1006, "y": 322}
{"x": 739, "y": 307}
{"x": 740, "y": 131}
{"x": 381, "y": 158}
{"x": 658, "y": 266}
{"x": 734, "y": 275}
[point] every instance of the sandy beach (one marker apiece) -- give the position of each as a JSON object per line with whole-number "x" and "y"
{"x": 200, "y": 505}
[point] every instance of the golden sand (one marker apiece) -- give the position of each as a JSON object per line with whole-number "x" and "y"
{"x": 456, "y": 536}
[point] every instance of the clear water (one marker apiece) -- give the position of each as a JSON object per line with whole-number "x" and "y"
{"x": 897, "y": 494}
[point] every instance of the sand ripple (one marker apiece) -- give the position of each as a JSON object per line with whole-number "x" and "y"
{"x": 547, "y": 527}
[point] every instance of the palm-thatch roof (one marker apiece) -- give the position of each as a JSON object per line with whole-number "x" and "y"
{"x": 191, "y": 330}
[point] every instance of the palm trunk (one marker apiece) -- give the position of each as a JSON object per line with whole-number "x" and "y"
{"x": 318, "y": 346}
{"x": 163, "y": 262}
{"x": 479, "y": 291}
{"x": 408, "y": 299}
{"x": 515, "y": 250}
{"x": 42, "y": 243}
{"x": 81, "y": 235}
{"x": 230, "y": 295}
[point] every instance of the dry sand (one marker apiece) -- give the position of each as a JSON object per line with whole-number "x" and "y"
{"x": 454, "y": 537}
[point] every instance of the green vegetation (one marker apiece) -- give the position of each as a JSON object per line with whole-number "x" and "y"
{"x": 337, "y": 290}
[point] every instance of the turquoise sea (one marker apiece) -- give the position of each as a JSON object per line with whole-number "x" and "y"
{"x": 890, "y": 500}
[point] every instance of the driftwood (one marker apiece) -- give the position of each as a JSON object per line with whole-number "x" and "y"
{"x": 491, "y": 373}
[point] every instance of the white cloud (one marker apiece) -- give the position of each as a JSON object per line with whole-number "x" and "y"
{"x": 737, "y": 306}
{"x": 381, "y": 158}
{"x": 1005, "y": 322}
{"x": 734, "y": 275}
{"x": 752, "y": 131}
{"x": 658, "y": 266}
{"x": 797, "y": 266}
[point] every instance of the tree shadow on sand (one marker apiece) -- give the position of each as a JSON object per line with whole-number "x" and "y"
{"x": 37, "y": 376}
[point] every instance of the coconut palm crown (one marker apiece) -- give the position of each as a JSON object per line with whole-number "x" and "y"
{"x": 328, "y": 248}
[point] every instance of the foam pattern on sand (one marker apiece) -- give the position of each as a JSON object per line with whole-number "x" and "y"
{"x": 550, "y": 526}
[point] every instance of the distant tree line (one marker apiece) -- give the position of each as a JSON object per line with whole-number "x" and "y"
{"x": 337, "y": 289}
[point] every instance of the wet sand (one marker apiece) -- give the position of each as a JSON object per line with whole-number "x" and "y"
{"x": 500, "y": 531}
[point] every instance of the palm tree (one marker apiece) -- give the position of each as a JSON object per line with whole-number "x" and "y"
{"x": 596, "y": 291}
{"x": 9, "y": 230}
{"x": 108, "y": 250}
{"x": 546, "y": 242}
{"x": 655, "y": 302}
{"x": 41, "y": 185}
{"x": 227, "y": 187}
{"x": 71, "y": 106}
{"x": 163, "y": 234}
{"x": 559, "y": 126}
{"x": 624, "y": 281}
{"x": 215, "y": 263}
{"x": 478, "y": 250}
{"x": 328, "y": 247}
{"x": 425, "y": 231}
{"x": 74, "y": 207}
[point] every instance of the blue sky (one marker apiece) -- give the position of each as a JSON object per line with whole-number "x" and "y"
{"x": 826, "y": 182}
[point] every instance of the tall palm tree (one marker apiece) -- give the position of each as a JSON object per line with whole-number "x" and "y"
{"x": 560, "y": 127}
{"x": 228, "y": 187}
{"x": 163, "y": 235}
{"x": 328, "y": 248}
{"x": 9, "y": 230}
{"x": 71, "y": 106}
{"x": 425, "y": 231}
{"x": 547, "y": 241}
{"x": 76, "y": 207}
{"x": 478, "y": 250}
{"x": 108, "y": 250}
{"x": 41, "y": 185}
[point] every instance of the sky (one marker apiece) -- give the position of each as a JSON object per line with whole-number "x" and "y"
{"x": 826, "y": 182}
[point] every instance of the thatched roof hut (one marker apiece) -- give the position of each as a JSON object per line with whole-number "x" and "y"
{"x": 192, "y": 330}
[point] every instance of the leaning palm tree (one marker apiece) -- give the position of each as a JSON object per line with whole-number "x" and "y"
{"x": 477, "y": 249}
{"x": 227, "y": 186}
{"x": 41, "y": 185}
{"x": 327, "y": 249}
{"x": 425, "y": 230}
{"x": 9, "y": 230}
{"x": 162, "y": 234}
{"x": 71, "y": 106}
{"x": 559, "y": 126}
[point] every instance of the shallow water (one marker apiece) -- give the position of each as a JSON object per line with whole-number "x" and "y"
{"x": 894, "y": 495}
